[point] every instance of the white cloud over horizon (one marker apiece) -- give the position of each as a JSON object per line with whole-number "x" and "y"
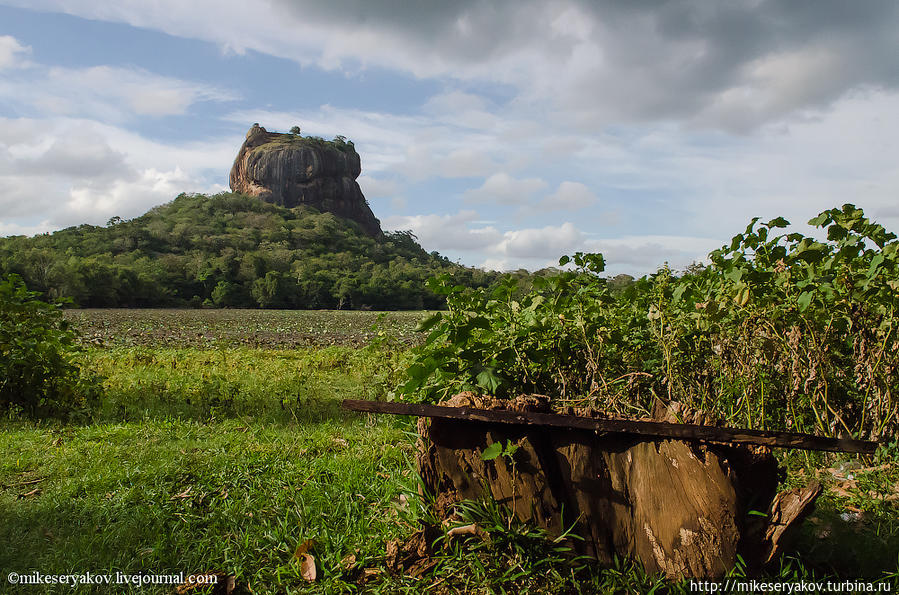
{"x": 12, "y": 52}
{"x": 649, "y": 131}
{"x": 65, "y": 171}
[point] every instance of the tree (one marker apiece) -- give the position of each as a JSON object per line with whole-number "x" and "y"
{"x": 275, "y": 290}
{"x": 295, "y": 130}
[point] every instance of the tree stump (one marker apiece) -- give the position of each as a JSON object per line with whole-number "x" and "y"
{"x": 681, "y": 508}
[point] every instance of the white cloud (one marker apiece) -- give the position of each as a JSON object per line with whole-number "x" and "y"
{"x": 593, "y": 62}
{"x": 644, "y": 254}
{"x": 446, "y": 232}
{"x": 66, "y": 171}
{"x": 776, "y": 84}
{"x": 81, "y": 154}
{"x": 546, "y": 242}
{"x": 12, "y": 52}
{"x": 462, "y": 109}
{"x": 106, "y": 93}
{"x": 15, "y": 229}
{"x": 501, "y": 188}
{"x": 378, "y": 187}
{"x": 123, "y": 197}
{"x": 460, "y": 232}
{"x": 465, "y": 163}
{"x": 686, "y": 118}
{"x": 455, "y": 102}
{"x": 570, "y": 195}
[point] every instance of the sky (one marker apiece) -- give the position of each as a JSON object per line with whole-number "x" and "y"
{"x": 503, "y": 134}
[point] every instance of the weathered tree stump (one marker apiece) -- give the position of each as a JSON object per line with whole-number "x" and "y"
{"x": 681, "y": 508}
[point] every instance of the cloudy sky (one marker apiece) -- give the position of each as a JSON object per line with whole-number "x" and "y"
{"x": 503, "y": 134}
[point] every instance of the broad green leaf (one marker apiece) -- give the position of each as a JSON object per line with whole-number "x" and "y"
{"x": 492, "y": 451}
{"x": 820, "y": 220}
{"x": 488, "y": 380}
{"x": 734, "y": 274}
{"x": 804, "y": 300}
{"x": 875, "y": 264}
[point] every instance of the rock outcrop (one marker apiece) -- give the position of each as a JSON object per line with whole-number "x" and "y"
{"x": 290, "y": 170}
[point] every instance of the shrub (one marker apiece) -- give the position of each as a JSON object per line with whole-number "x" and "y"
{"x": 780, "y": 331}
{"x": 37, "y": 347}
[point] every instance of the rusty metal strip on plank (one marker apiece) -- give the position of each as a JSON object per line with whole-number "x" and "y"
{"x": 655, "y": 429}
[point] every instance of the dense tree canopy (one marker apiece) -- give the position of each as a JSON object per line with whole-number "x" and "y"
{"x": 231, "y": 250}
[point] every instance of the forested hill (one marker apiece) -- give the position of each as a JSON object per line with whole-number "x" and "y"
{"x": 231, "y": 250}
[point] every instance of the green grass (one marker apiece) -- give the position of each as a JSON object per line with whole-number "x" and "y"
{"x": 209, "y": 460}
{"x": 228, "y": 459}
{"x": 175, "y": 495}
{"x": 262, "y": 386}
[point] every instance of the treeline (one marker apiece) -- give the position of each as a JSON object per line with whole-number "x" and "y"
{"x": 231, "y": 250}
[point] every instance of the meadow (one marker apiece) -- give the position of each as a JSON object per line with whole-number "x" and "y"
{"x": 219, "y": 446}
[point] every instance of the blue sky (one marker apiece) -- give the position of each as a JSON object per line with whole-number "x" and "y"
{"x": 503, "y": 134}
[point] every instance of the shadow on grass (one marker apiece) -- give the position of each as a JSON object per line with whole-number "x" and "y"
{"x": 849, "y": 545}
{"x": 139, "y": 407}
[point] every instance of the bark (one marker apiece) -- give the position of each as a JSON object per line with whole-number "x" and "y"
{"x": 681, "y": 508}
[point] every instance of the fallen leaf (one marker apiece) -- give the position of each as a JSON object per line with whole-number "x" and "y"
{"x": 307, "y": 568}
{"x": 463, "y": 530}
{"x": 182, "y": 495}
{"x": 421, "y": 567}
{"x": 348, "y": 562}
{"x": 873, "y": 469}
{"x": 368, "y": 574}
{"x": 393, "y": 554}
{"x": 303, "y": 548}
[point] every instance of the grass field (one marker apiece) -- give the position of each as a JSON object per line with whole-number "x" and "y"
{"x": 213, "y": 455}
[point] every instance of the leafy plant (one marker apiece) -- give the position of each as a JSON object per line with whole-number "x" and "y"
{"x": 780, "y": 331}
{"x": 497, "y": 449}
{"x": 37, "y": 372}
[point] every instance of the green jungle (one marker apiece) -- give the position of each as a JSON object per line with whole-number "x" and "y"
{"x": 231, "y": 251}
{"x": 212, "y": 439}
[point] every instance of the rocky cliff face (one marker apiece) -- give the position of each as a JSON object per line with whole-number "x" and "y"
{"x": 290, "y": 170}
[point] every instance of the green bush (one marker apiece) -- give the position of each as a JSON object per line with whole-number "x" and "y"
{"x": 780, "y": 331}
{"x": 37, "y": 371}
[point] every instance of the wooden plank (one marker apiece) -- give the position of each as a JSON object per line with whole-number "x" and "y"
{"x": 654, "y": 429}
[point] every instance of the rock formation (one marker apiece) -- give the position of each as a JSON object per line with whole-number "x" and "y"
{"x": 290, "y": 170}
